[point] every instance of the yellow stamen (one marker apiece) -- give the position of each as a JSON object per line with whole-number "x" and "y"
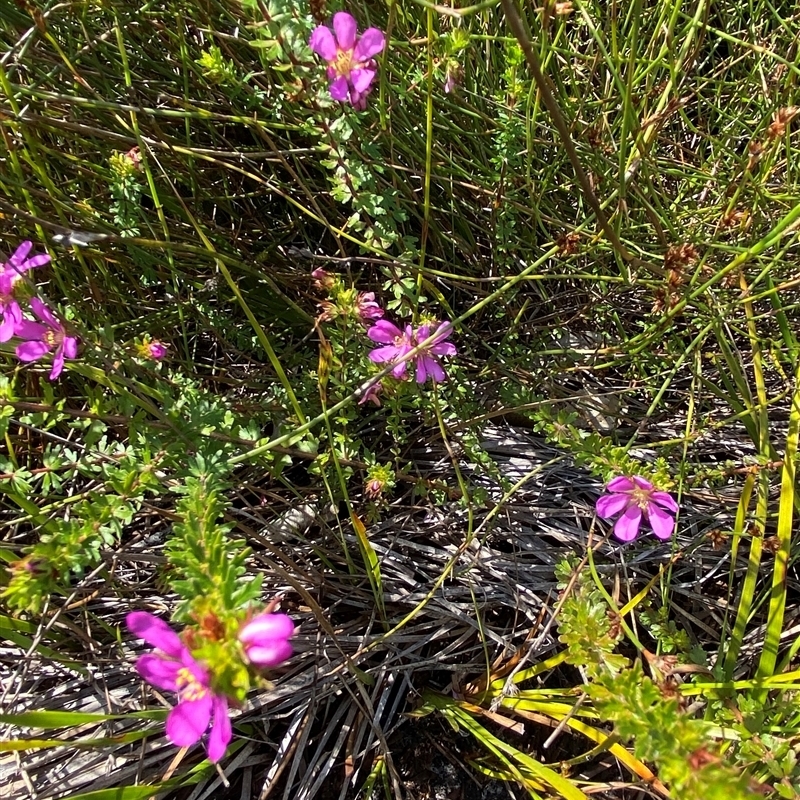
{"x": 189, "y": 688}
{"x": 641, "y": 497}
{"x": 343, "y": 63}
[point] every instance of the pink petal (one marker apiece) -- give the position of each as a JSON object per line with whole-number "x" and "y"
{"x": 12, "y": 319}
{"x": 399, "y": 371}
{"x": 374, "y": 311}
{"x": 444, "y": 349}
{"x": 271, "y": 654}
{"x": 71, "y": 346}
{"x": 444, "y": 331}
{"x": 627, "y": 526}
{"x": 32, "y": 351}
{"x": 422, "y": 372}
{"x": 13, "y": 310}
{"x": 621, "y": 484}
{"x": 372, "y": 395}
{"x": 642, "y": 483}
{"x": 384, "y": 332}
{"x": 188, "y": 721}
{"x": 371, "y": 42}
{"x": 159, "y": 671}
{"x": 44, "y": 313}
{"x": 36, "y": 261}
{"x": 665, "y": 501}
{"x": 31, "y": 330}
{"x": 392, "y": 352}
{"x": 433, "y": 369}
{"x": 609, "y": 505}
{"x": 661, "y": 522}
{"x": 199, "y": 672}
{"x": 362, "y": 79}
{"x": 6, "y": 327}
{"x": 155, "y": 632}
{"x": 358, "y": 101}
{"x": 221, "y": 730}
{"x": 345, "y": 27}
{"x": 368, "y": 308}
{"x": 20, "y": 254}
{"x": 340, "y": 89}
{"x": 264, "y": 628}
{"x": 58, "y": 364}
{"x": 323, "y": 43}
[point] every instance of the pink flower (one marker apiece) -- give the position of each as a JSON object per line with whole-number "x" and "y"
{"x": 174, "y": 670}
{"x": 40, "y": 338}
{"x": 372, "y": 394}
{"x": 323, "y": 280}
{"x": 134, "y": 157}
{"x": 11, "y": 274}
{"x": 351, "y": 58}
{"x": 400, "y": 343}
{"x": 634, "y": 498}
{"x": 452, "y": 77}
{"x": 266, "y": 639}
{"x": 367, "y": 308}
{"x": 374, "y": 488}
{"x": 156, "y": 350}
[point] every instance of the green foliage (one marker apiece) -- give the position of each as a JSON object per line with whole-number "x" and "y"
{"x": 70, "y": 546}
{"x": 765, "y": 745}
{"x": 356, "y": 181}
{"x": 282, "y": 30}
{"x": 126, "y": 193}
{"x": 207, "y": 567}
{"x": 597, "y": 452}
{"x": 587, "y": 627}
{"x": 662, "y": 734}
{"x": 649, "y": 716}
{"x": 508, "y": 158}
{"x": 76, "y": 534}
{"x": 670, "y": 638}
{"x": 216, "y": 68}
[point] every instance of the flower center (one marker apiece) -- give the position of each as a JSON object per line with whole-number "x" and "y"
{"x": 641, "y": 497}
{"x": 343, "y": 63}
{"x": 53, "y": 338}
{"x": 189, "y": 688}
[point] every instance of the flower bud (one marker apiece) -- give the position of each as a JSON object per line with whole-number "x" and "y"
{"x": 367, "y": 308}
{"x": 372, "y": 394}
{"x": 266, "y": 639}
{"x": 323, "y": 280}
{"x": 157, "y": 350}
{"x": 374, "y": 488}
{"x": 151, "y": 349}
